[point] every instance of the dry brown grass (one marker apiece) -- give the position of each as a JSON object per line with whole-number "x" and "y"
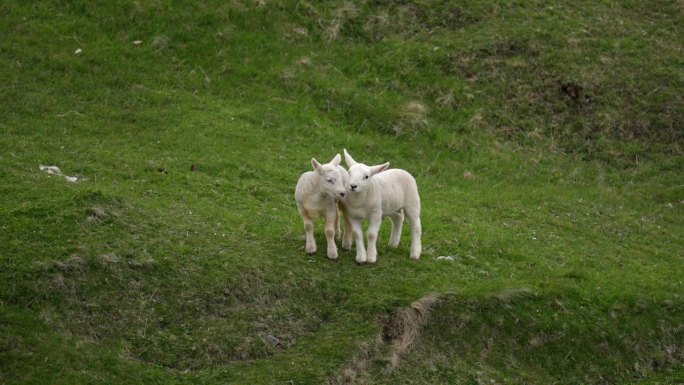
{"x": 399, "y": 333}
{"x": 412, "y": 118}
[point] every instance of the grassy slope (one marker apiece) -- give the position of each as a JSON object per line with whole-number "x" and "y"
{"x": 567, "y": 117}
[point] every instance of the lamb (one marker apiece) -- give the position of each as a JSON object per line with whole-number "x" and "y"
{"x": 375, "y": 192}
{"x": 317, "y": 194}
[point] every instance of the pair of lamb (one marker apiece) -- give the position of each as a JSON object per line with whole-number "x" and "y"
{"x": 365, "y": 192}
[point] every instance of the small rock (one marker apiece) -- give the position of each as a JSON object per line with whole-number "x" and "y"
{"x": 272, "y": 340}
{"x": 304, "y": 62}
{"x": 97, "y": 213}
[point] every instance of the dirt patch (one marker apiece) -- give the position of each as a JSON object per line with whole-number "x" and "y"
{"x": 400, "y": 330}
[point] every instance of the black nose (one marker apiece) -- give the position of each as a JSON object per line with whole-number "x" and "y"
{"x": 342, "y": 195}
{"x": 353, "y": 186}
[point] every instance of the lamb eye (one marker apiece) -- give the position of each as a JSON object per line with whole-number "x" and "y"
{"x": 331, "y": 180}
{"x": 365, "y": 177}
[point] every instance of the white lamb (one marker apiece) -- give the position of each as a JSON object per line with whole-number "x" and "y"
{"x": 317, "y": 194}
{"x": 375, "y": 192}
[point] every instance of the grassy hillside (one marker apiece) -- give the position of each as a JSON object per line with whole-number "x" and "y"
{"x": 546, "y": 138}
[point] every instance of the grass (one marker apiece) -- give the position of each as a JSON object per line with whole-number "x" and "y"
{"x": 545, "y": 138}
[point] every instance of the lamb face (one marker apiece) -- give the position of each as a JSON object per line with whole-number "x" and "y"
{"x": 360, "y": 174}
{"x": 359, "y": 178}
{"x": 330, "y": 180}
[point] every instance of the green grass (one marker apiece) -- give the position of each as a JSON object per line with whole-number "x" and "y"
{"x": 546, "y": 139}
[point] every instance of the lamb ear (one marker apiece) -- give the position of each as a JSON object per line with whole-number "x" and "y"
{"x": 315, "y": 164}
{"x": 336, "y": 160}
{"x": 379, "y": 168}
{"x": 347, "y": 158}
